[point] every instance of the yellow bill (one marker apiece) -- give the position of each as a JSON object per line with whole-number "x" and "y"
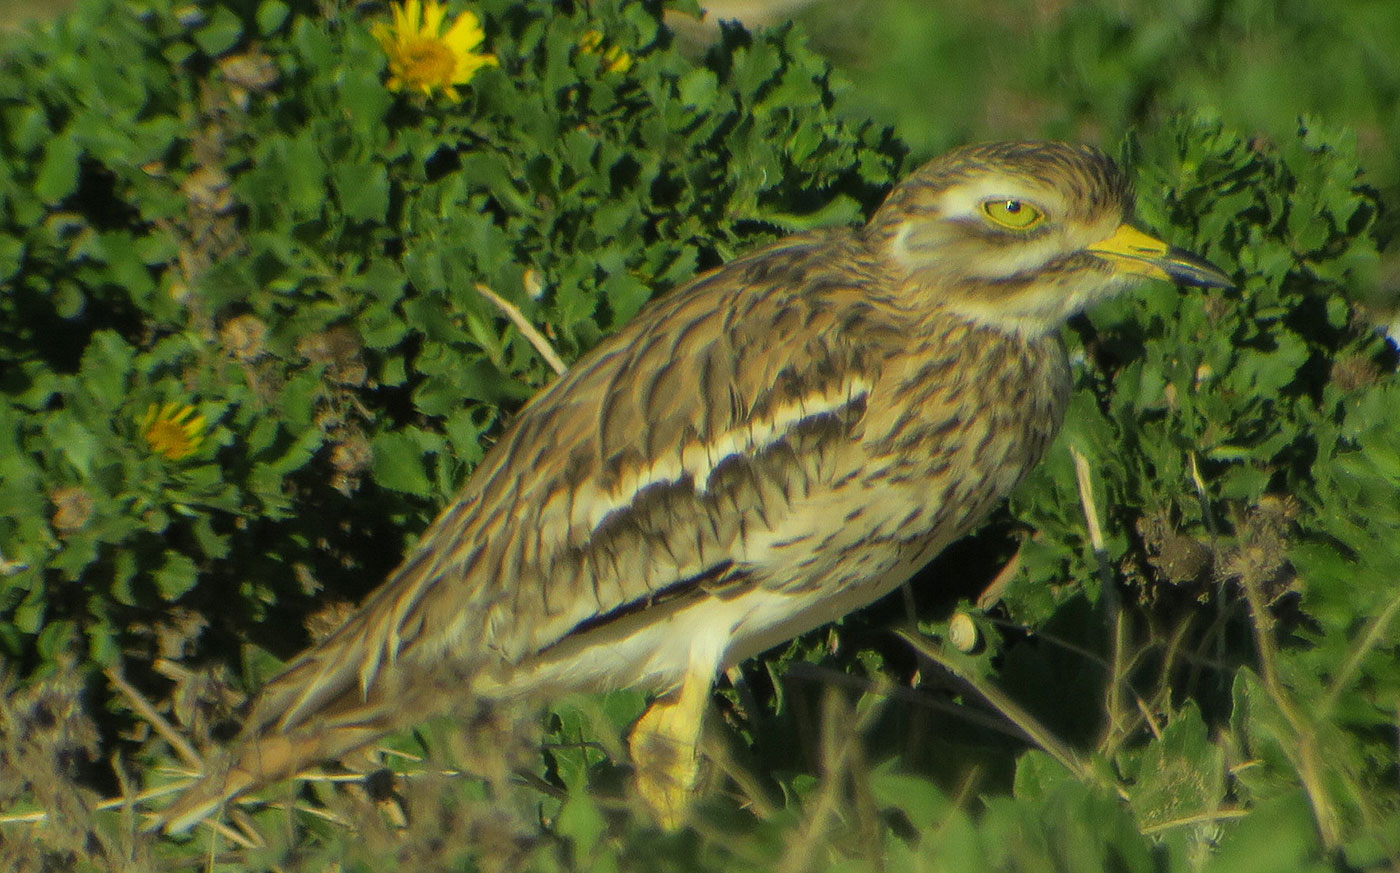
{"x": 1131, "y": 251}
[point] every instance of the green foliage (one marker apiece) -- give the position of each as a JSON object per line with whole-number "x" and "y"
{"x": 963, "y": 69}
{"x": 225, "y": 207}
{"x": 216, "y": 218}
{"x": 1225, "y": 434}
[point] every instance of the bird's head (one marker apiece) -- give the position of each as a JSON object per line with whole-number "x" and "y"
{"x": 1020, "y": 236}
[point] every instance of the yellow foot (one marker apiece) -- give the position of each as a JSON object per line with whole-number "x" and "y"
{"x": 665, "y": 753}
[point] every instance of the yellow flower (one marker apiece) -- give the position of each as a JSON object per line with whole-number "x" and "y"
{"x": 422, "y": 57}
{"x": 170, "y": 430}
{"x": 615, "y": 60}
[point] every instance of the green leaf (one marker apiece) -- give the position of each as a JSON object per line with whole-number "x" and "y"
{"x": 698, "y": 89}
{"x": 58, "y": 174}
{"x": 626, "y": 295}
{"x": 104, "y": 644}
{"x": 305, "y": 176}
{"x": 363, "y": 191}
{"x": 582, "y": 821}
{"x": 919, "y": 799}
{"x": 271, "y": 15}
{"x": 11, "y": 255}
{"x": 176, "y": 576}
{"x": 30, "y": 614}
{"x": 1279, "y": 836}
{"x": 107, "y": 363}
{"x": 399, "y": 464}
{"x": 221, "y": 33}
{"x": 1180, "y": 776}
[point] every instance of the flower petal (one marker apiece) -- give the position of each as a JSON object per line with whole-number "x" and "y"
{"x": 433, "y": 13}
{"x": 423, "y": 58}
{"x": 468, "y": 66}
{"x": 406, "y": 17}
{"x": 465, "y": 33}
{"x": 383, "y": 34}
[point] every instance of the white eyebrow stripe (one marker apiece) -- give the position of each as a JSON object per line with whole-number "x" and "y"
{"x": 966, "y": 199}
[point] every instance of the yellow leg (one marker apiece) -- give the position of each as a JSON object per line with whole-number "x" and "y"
{"x": 665, "y": 748}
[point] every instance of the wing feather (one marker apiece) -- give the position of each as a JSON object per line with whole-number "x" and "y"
{"x": 648, "y": 472}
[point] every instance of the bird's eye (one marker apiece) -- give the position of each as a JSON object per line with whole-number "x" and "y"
{"x": 1013, "y": 214}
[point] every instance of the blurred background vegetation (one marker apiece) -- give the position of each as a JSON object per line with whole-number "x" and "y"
{"x": 944, "y": 72}
{"x": 16, "y": 15}
{"x": 243, "y": 363}
{"x": 954, "y": 71}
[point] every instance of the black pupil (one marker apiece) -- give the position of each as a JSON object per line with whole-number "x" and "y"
{"x": 1013, "y": 206}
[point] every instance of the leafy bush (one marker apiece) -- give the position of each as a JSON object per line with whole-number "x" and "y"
{"x": 234, "y": 214}
{"x": 245, "y": 359}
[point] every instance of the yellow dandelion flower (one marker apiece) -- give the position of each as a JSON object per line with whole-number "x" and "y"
{"x": 422, "y": 57}
{"x": 171, "y": 430}
{"x": 615, "y": 60}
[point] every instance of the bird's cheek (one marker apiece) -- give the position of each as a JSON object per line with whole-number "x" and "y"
{"x": 914, "y": 246}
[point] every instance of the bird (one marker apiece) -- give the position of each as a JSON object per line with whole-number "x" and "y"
{"x": 778, "y": 442}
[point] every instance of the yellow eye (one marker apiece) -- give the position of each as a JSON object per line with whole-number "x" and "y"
{"x": 1014, "y": 214}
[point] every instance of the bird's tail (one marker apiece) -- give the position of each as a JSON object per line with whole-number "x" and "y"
{"x": 364, "y": 681}
{"x": 264, "y": 758}
{"x": 321, "y": 707}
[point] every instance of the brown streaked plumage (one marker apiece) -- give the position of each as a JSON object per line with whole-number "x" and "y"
{"x": 777, "y": 443}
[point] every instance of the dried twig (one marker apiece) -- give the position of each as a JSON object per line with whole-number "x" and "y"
{"x": 157, "y": 721}
{"x": 840, "y": 740}
{"x": 1305, "y": 753}
{"x": 40, "y": 815}
{"x": 1091, "y": 518}
{"x": 992, "y": 593}
{"x": 804, "y": 672}
{"x": 1028, "y": 724}
{"x": 1113, "y": 695}
{"x": 1372, "y": 638}
{"x": 1223, "y": 814}
{"x": 518, "y": 318}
